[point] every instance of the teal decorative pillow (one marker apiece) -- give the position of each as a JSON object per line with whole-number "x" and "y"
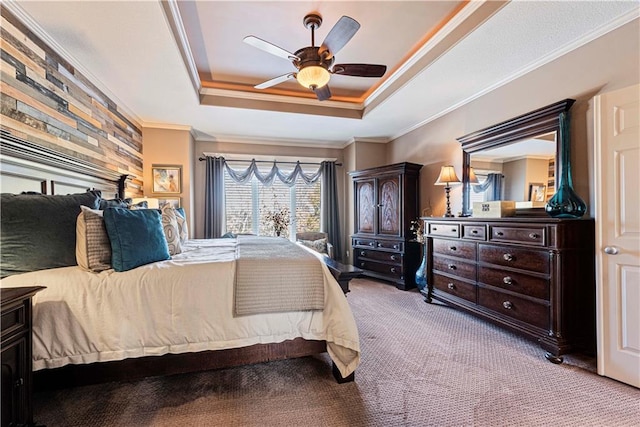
{"x": 183, "y": 229}
{"x": 39, "y": 231}
{"x": 136, "y": 237}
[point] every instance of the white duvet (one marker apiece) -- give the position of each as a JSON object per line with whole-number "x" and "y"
{"x": 181, "y": 305}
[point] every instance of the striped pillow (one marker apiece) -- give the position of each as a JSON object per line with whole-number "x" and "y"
{"x": 93, "y": 250}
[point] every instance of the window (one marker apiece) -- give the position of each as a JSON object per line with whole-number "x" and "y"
{"x": 247, "y": 206}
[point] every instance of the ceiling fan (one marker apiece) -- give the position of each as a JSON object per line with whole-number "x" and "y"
{"x": 315, "y": 64}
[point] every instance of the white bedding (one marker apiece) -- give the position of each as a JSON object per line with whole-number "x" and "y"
{"x": 181, "y": 305}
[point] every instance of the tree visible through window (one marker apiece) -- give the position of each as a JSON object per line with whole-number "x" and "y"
{"x": 248, "y": 207}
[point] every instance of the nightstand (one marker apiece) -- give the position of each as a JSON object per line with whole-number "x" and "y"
{"x": 16, "y": 389}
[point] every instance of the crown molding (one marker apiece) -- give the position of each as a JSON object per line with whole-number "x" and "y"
{"x": 14, "y": 7}
{"x": 240, "y": 139}
{"x": 174, "y": 20}
{"x": 561, "y": 51}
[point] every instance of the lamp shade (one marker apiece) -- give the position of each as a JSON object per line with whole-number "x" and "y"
{"x": 447, "y": 176}
{"x": 313, "y": 76}
{"x": 473, "y": 179}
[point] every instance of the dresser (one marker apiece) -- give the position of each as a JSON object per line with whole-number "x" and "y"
{"x": 16, "y": 356}
{"x": 385, "y": 203}
{"x": 532, "y": 275}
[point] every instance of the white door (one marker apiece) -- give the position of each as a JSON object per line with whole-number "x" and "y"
{"x": 617, "y": 205}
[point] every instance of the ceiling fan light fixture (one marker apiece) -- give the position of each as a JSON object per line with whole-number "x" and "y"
{"x": 313, "y": 77}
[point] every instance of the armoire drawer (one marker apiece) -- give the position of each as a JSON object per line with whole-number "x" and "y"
{"x": 455, "y": 267}
{"x": 389, "y": 257}
{"x": 533, "y": 313}
{"x": 361, "y": 242}
{"x": 455, "y": 287}
{"x": 379, "y": 267}
{"x": 525, "y": 284}
{"x": 528, "y": 235}
{"x": 455, "y": 248}
{"x": 509, "y": 256}
{"x": 444, "y": 229}
{"x": 391, "y": 245}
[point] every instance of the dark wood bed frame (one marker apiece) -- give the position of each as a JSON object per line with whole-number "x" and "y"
{"x": 23, "y": 159}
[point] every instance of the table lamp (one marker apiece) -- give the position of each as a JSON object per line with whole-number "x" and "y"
{"x": 447, "y": 176}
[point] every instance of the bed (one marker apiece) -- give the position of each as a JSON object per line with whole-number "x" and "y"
{"x": 170, "y": 316}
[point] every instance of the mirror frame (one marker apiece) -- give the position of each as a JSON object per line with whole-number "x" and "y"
{"x": 529, "y": 125}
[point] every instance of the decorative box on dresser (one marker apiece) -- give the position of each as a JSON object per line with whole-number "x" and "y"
{"x": 534, "y": 276}
{"x": 385, "y": 203}
{"x": 16, "y": 356}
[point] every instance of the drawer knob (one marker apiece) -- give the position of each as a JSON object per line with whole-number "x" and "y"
{"x": 453, "y": 230}
{"x": 370, "y": 243}
{"x": 395, "y": 246}
{"x": 499, "y": 233}
{"x": 379, "y": 245}
{"x": 451, "y": 267}
{"x": 507, "y": 280}
{"x": 507, "y": 305}
{"x": 533, "y": 235}
{"x": 19, "y": 383}
{"x": 453, "y": 248}
{"x": 362, "y": 264}
{"x": 393, "y": 258}
{"x": 474, "y": 231}
{"x": 393, "y": 269}
{"x": 434, "y": 228}
{"x": 362, "y": 253}
{"x": 507, "y": 257}
{"x": 451, "y": 286}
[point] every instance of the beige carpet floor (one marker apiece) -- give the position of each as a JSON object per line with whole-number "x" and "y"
{"x": 422, "y": 365}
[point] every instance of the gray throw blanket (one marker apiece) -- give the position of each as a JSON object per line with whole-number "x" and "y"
{"x": 275, "y": 275}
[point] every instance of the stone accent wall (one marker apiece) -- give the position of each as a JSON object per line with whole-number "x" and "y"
{"x": 47, "y": 101}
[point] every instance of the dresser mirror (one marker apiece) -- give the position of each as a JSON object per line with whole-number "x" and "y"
{"x": 517, "y": 160}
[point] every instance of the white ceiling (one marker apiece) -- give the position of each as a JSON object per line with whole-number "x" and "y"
{"x": 438, "y": 59}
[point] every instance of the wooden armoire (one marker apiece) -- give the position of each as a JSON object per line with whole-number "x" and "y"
{"x": 385, "y": 203}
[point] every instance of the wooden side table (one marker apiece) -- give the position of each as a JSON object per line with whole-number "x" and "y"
{"x": 16, "y": 348}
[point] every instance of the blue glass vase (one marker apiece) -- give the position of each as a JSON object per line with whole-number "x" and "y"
{"x": 565, "y": 203}
{"x": 421, "y": 273}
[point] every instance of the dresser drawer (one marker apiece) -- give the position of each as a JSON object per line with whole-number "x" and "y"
{"x": 536, "y": 287}
{"x": 379, "y": 267}
{"x": 536, "y": 314}
{"x": 360, "y": 242}
{"x": 444, "y": 229}
{"x": 474, "y": 232}
{"x": 525, "y": 259}
{"x": 534, "y": 236}
{"x": 455, "y": 267}
{"x": 455, "y": 287}
{"x": 390, "y": 257}
{"x": 456, "y": 248}
{"x": 14, "y": 319}
{"x": 391, "y": 245}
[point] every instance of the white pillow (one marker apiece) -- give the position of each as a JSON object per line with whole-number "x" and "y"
{"x": 93, "y": 249}
{"x": 170, "y": 226}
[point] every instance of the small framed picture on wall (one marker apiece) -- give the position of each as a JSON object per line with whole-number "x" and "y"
{"x": 174, "y": 202}
{"x": 167, "y": 179}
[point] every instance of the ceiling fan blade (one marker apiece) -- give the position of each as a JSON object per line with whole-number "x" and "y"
{"x": 323, "y": 93}
{"x": 269, "y": 47}
{"x": 339, "y": 35}
{"x": 360, "y": 70}
{"x": 275, "y": 81}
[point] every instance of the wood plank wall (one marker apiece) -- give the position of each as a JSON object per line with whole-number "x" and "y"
{"x": 47, "y": 101}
